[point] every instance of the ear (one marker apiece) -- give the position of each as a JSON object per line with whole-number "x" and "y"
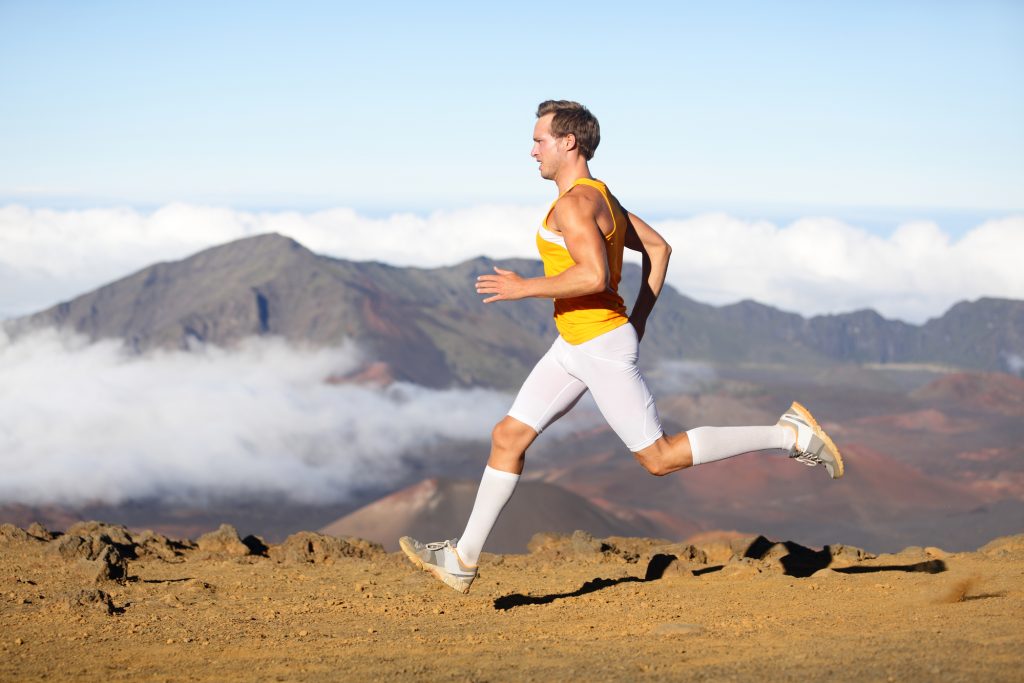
{"x": 570, "y": 141}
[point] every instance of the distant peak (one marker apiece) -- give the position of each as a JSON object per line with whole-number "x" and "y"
{"x": 270, "y": 238}
{"x": 266, "y": 243}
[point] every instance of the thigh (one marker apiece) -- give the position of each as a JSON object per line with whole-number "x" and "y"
{"x": 608, "y": 366}
{"x": 548, "y": 393}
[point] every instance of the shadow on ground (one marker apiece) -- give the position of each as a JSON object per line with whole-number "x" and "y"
{"x": 799, "y": 561}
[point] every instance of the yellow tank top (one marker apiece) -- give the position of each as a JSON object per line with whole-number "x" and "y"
{"x": 582, "y": 318}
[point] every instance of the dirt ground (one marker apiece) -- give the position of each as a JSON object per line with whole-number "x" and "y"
{"x": 102, "y": 604}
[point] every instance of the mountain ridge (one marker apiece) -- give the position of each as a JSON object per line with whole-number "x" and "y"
{"x": 429, "y": 327}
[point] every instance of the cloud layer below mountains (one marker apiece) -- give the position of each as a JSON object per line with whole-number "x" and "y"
{"x": 811, "y": 266}
{"x": 82, "y": 423}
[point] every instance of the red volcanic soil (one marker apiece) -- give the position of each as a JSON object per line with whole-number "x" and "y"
{"x": 995, "y": 392}
{"x": 929, "y": 420}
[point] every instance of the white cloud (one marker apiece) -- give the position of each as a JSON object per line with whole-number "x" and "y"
{"x": 821, "y": 265}
{"x": 812, "y": 266}
{"x": 81, "y": 423}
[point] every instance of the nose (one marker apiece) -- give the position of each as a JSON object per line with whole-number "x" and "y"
{"x": 534, "y": 150}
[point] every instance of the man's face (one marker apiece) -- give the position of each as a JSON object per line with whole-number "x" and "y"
{"x": 546, "y": 148}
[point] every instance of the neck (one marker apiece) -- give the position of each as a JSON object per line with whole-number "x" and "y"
{"x": 569, "y": 173}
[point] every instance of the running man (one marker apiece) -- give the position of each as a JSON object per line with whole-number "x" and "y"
{"x": 581, "y": 242}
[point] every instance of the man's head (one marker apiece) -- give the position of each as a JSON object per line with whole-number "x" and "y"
{"x": 566, "y": 132}
{"x": 573, "y": 119}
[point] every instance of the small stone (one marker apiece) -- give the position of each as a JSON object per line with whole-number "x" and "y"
{"x": 371, "y": 630}
{"x": 19, "y": 641}
{"x": 303, "y": 633}
{"x": 170, "y": 641}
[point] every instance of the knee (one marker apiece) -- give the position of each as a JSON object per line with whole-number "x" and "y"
{"x": 654, "y": 464}
{"x": 511, "y": 434}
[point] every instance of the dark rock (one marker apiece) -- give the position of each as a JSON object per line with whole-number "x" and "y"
{"x": 583, "y": 543}
{"x": 223, "y": 541}
{"x": 110, "y": 566}
{"x": 37, "y": 530}
{"x": 307, "y": 546}
{"x": 663, "y": 565}
{"x": 101, "y": 534}
{"x": 576, "y": 543}
{"x": 848, "y": 553}
{"x": 151, "y": 544}
{"x": 115, "y": 534}
{"x": 580, "y": 545}
{"x": 76, "y": 548}
{"x": 90, "y": 598}
{"x": 12, "y": 534}
{"x": 687, "y": 553}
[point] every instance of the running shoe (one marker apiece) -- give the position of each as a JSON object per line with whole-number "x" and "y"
{"x": 440, "y": 559}
{"x": 813, "y": 446}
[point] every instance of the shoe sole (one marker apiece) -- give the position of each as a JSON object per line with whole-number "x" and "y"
{"x": 820, "y": 433}
{"x": 446, "y": 579}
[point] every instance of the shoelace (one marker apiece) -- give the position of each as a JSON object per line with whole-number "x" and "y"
{"x": 438, "y": 545}
{"x": 809, "y": 459}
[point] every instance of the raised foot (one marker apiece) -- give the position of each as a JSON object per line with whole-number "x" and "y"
{"x": 813, "y": 446}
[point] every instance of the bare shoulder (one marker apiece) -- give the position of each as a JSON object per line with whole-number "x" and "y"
{"x": 582, "y": 205}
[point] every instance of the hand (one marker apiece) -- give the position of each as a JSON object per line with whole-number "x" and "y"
{"x": 505, "y": 286}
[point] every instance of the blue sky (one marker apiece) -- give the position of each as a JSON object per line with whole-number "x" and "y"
{"x": 889, "y": 110}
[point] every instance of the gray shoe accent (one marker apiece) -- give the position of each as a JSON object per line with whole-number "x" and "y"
{"x": 433, "y": 558}
{"x": 813, "y": 446}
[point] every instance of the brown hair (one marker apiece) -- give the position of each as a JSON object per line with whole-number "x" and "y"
{"x": 573, "y": 117}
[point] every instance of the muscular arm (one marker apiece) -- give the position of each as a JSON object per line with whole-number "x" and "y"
{"x": 576, "y": 218}
{"x": 655, "y": 252}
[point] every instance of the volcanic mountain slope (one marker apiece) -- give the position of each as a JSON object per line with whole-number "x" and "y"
{"x": 437, "y": 509}
{"x": 943, "y": 466}
{"x": 429, "y": 326}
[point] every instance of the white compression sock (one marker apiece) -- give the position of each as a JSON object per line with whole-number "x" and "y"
{"x": 709, "y": 444}
{"x": 496, "y": 488}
